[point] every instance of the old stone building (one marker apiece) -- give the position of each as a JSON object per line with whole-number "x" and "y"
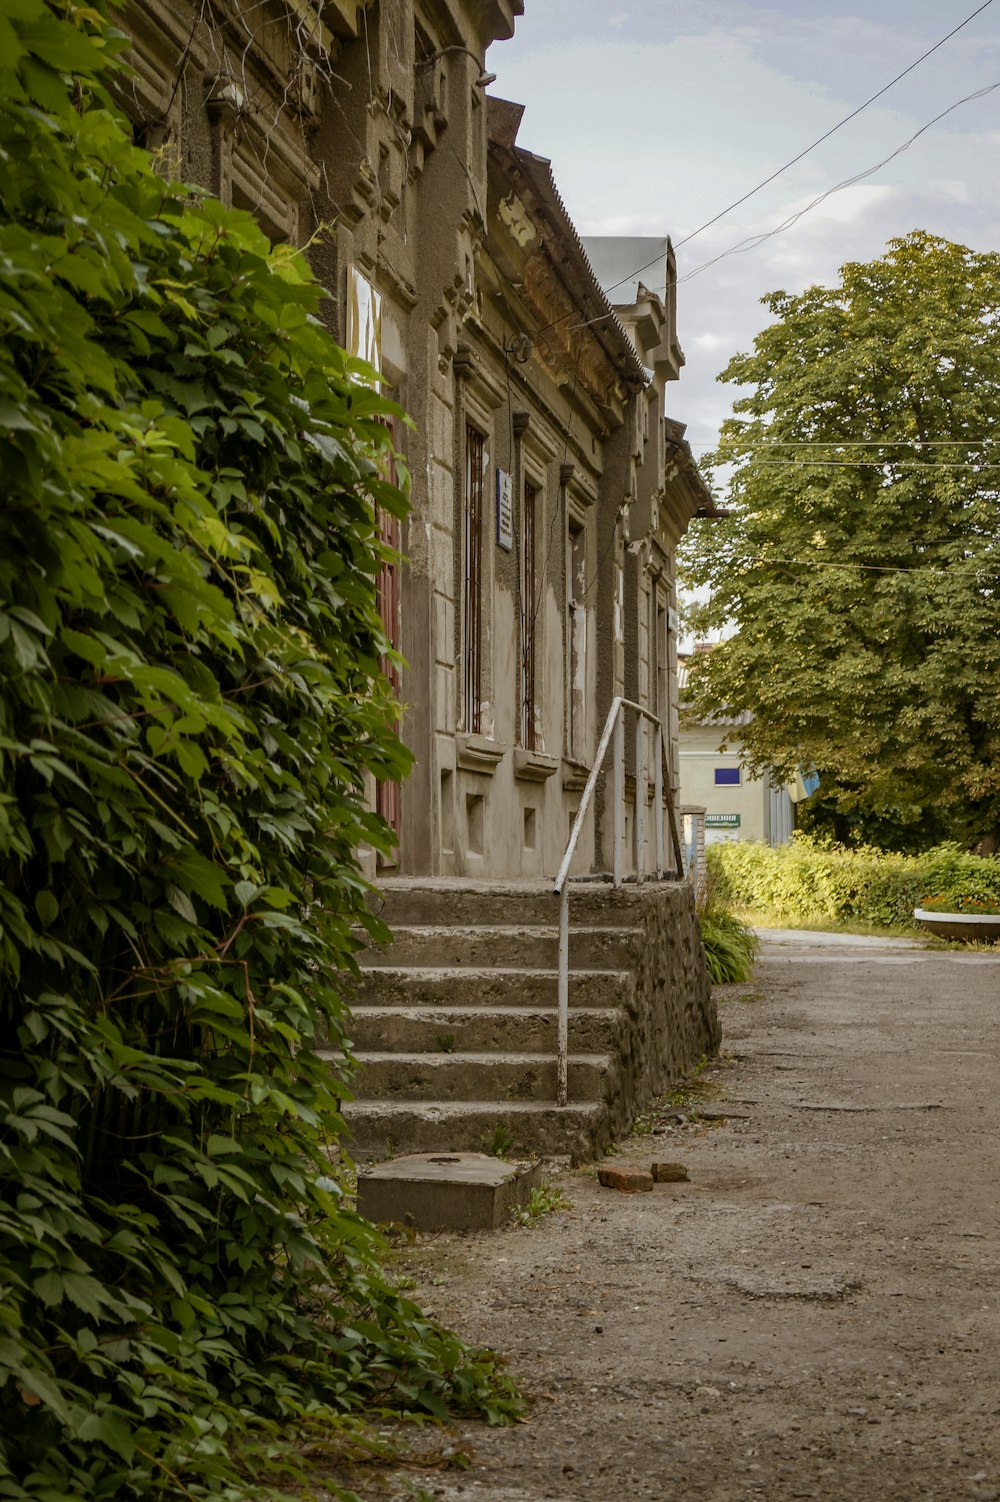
{"x": 550, "y": 486}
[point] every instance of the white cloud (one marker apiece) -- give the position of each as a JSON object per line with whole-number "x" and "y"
{"x": 958, "y": 191}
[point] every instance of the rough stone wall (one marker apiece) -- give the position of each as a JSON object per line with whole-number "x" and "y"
{"x": 673, "y": 1021}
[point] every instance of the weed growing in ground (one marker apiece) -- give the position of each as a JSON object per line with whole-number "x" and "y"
{"x": 749, "y": 993}
{"x": 689, "y": 1088}
{"x": 543, "y": 1200}
{"x": 684, "y": 1095}
{"x": 501, "y": 1143}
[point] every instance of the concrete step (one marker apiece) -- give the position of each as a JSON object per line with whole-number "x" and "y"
{"x": 480, "y": 1029}
{"x": 480, "y": 947}
{"x": 463, "y": 985}
{"x": 379, "y": 1128}
{"x": 477, "y": 1076}
{"x": 407, "y": 901}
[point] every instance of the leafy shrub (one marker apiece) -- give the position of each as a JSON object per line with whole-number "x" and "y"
{"x": 190, "y": 700}
{"x": 729, "y": 943}
{"x": 810, "y": 881}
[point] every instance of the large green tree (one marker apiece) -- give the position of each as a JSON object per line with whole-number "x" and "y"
{"x": 857, "y": 573}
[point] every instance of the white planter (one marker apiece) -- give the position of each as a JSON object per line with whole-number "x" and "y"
{"x": 982, "y": 926}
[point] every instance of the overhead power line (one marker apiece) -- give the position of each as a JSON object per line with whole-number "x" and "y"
{"x": 975, "y": 564}
{"x": 914, "y": 464}
{"x": 811, "y": 147}
{"x": 845, "y": 443}
{"x": 753, "y": 241}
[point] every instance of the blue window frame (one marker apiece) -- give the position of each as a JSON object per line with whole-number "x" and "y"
{"x": 727, "y": 777}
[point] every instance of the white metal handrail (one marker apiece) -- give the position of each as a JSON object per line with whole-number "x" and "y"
{"x": 614, "y": 724}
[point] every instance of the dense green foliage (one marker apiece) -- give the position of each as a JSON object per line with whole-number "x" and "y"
{"x": 811, "y": 882}
{"x": 190, "y": 700}
{"x": 860, "y": 565}
{"x": 729, "y": 943}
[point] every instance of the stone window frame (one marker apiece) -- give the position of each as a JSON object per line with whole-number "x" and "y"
{"x": 265, "y": 171}
{"x": 535, "y": 451}
{"x": 478, "y": 396}
{"x": 531, "y": 601}
{"x": 472, "y": 542}
{"x": 152, "y": 96}
{"x": 580, "y": 511}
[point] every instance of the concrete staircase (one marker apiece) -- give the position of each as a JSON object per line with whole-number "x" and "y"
{"x": 454, "y": 1022}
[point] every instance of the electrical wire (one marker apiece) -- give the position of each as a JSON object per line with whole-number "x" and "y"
{"x": 818, "y": 142}
{"x": 846, "y": 443}
{"x": 974, "y": 464}
{"x": 754, "y": 241}
{"x": 875, "y": 568}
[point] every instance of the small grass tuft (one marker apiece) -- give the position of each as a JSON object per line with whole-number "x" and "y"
{"x": 501, "y": 1143}
{"x": 542, "y": 1201}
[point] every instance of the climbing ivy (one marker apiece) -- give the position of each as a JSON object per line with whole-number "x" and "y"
{"x": 190, "y": 701}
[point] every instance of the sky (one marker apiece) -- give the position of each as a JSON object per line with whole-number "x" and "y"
{"x": 658, "y": 114}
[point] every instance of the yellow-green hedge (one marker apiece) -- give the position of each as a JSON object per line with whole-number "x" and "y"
{"x": 809, "y": 881}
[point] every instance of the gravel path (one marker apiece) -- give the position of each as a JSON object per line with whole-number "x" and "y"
{"x": 815, "y": 1314}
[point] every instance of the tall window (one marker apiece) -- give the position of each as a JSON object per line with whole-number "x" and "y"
{"x": 576, "y": 640}
{"x": 528, "y": 586}
{"x": 387, "y": 794}
{"x": 658, "y": 652}
{"x": 472, "y": 637}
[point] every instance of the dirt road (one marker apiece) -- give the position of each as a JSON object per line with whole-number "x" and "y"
{"x": 816, "y": 1313}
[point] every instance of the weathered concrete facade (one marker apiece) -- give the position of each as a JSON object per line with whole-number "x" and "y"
{"x": 549, "y": 492}
{"x": 549, "y": 487}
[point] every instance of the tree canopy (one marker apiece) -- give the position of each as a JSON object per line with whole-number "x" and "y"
{"x": 859, "y": 568}
{"x": 191, "y": 699}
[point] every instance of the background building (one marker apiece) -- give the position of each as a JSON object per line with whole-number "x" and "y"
{"x": 736, "y": 805}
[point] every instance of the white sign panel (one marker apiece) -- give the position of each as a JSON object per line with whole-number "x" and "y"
{"x": 364, "y": 319}
{"x": 505, "y": 511}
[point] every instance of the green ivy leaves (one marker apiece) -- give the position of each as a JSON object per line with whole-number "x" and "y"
{"x": 190, "y": 704}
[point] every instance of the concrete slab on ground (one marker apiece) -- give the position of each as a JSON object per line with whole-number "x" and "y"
{"x": 446, "y": 1191}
